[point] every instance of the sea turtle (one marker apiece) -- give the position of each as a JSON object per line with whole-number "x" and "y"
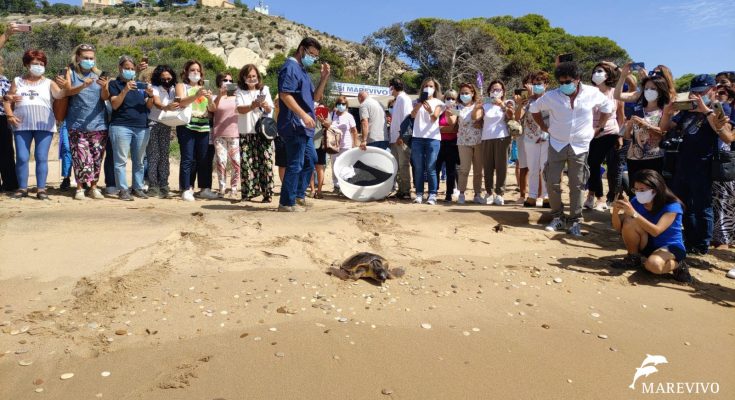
{"x": 366, "y": 265}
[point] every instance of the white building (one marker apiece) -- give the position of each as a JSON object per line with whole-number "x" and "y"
{"x": 262, "y": 8}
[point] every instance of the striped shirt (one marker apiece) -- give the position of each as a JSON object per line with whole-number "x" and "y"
{"x": 199, "y": 112}
{"x": 35, "y": 110}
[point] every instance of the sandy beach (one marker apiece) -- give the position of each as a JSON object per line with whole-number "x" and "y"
{"x": 164, "y": 299}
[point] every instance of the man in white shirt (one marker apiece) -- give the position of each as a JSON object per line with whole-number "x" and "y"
{"x": 401, "y": 152}
{"x": 372, "y": 122}
{"x": 570, "y": 131}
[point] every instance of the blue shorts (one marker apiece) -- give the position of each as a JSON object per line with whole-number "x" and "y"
{"x": 678, "y": 252}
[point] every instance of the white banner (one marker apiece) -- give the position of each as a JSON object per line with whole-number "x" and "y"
{"x": 352, "y": 89}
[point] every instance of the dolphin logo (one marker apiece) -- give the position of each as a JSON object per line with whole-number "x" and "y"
{"x": 646, "y": 369}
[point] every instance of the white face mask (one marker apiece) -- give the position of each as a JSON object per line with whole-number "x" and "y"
{"x": 645, "y": 196}
{"x": 194, "y": 77}
{"x": 496, "y": 94}
{"x": 252, "y": 81}
{"x": 37, "y": 70}
{"x": 651, "y": 95}
{"x": 599, "y": 77}
{"x": 429, "y": 91}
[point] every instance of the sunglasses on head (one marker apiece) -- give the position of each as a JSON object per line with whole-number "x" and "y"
{"x": 86, "y": 47}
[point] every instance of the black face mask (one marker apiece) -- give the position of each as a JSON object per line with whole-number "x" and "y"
{"x": 166, "y": 84}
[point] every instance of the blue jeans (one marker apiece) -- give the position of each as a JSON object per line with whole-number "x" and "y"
{"x": 694, "y": 188}
{"x": 23, "y": 141}
{"x": 423, "y": 155}
{"x": 64, "y": 151}
{"x": 381, "y": 144}
{"x": 109, "y": 166}
{"x": 129, "y": 140}
{"x": 300, "y": 161}
{"x": 194, "y": 147}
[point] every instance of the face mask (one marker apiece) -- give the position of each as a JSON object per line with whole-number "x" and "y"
{"x": 37, "y": 70}
{"x": 166, "y": 84}
{"x": 252, "y": 82}
{"x": 194, "y": 77}
{"x": 128, "y": 74}
{"x": 495, "y": 94}
{"x": 429, "y": 91}
{"x": 568, "y": 88}
{"x": 390, "y": 110}
{"x": 599, "y": 77}
{"x": 449, "y": 103}
{"x": 706, "y": 100}
{"x": 308, "y": 60}
{"x": 645, "y": 197}
{"x": 651, "y": 95}
{"x": 538, "y": 89}
{"x": 86, "y": 64}
{"x": 341, "y": 107}
{"x": 466, "y": 98}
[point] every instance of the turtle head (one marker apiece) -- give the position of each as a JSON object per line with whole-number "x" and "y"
{"x": 380, "y": 271}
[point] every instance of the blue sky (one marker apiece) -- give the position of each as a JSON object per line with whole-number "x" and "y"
{"x": 687, "y": 35}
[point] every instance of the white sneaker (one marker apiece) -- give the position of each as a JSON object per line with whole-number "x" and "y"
{"x": 96, "y": 194}
{"x": 432, "y": 200}
{"x": 111, "y": 190}
{"x": 79, "y": 195}
{"x": 601, "y": 206}
{"x": 455, "y": 192}
{"x": 419, "y": 199}
{"x": 589, "y": 203}
{"x": 478, "y": 199}
{"x": 208, "y": 194}
{"x": 498, "y": 200}
{"x": 460, "y": 198}
{"x": 188, "y": 195}
{"x": 556, "y": 225}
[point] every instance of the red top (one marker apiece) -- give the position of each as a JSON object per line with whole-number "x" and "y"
{"x": 442, "y": 123}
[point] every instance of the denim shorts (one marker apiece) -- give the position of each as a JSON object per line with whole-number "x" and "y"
{"x": 678, "y": 252}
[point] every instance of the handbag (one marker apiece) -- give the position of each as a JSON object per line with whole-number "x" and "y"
{"x": 723, "y": 164}
{"x": 175, "y": 117}
{"x": 266, "y": 127}
{"x": 331, "y": 138}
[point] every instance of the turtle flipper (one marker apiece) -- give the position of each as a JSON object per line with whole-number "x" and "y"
{"x": 396, "y": 273}
{"x": 339, "y": 273}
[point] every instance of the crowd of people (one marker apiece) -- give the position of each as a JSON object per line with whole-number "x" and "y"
{"x": 658, "y": 155}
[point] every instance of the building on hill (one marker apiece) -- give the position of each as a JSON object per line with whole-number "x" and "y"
{"x": 262, "y": 8}
{"x": 100, "y": 3}
{"x": 216, "y": 3}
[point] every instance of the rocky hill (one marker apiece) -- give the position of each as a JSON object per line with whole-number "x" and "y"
{"x": 237, "y": 36}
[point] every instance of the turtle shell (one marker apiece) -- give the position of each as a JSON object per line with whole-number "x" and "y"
{"x": 366, "y": 265}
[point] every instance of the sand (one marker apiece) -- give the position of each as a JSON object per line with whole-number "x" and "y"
{"x": 221, "y": 300}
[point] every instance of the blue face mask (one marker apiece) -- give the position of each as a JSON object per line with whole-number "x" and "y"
{"x": 465, "y": 98}
{"x": 308, "y": 60}
{"x": 568, "y": 88}
{"x": 706, "y": 100}
{"x": 538, "y": 89}
{"x": 86, "y": 64}
{"x": 128, "y": 74}
{"x": 341, "y": 107}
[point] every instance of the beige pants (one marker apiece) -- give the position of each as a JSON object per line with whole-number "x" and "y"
{"x": 470, "y": 157}
{"x": 495, "y": 159}
{"x": 402, "y": 154}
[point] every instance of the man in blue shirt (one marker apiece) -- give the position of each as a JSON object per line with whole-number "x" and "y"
{"x": 296, "y": 121}
{"x": 692, "y": 180}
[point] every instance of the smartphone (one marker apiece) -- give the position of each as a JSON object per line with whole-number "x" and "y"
{"x": 686, "y": 105}
{"x": 423, "y": 97}
{"x": 567, "y": 57}
{"x": 104, "y": 75}
{"x": 62, "y": 72}
{"x": 717, "y": 106}
{"x": 638, "y": 65}
{"x": 206, "y": 83}
{"x": 521, "y": 92}
{"x": 24, "y": 27}
{"x": 144, "y": 59}
{"x": 261, "y": 98}
{"x": 141, "y": 85}
{"x": 231, "y": 88}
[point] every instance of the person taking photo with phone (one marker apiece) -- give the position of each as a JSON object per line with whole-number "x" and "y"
{"x": 164, "y": 82}
{"x": 536, "y": 141}
{"x": 703, "y": 132}
{"x": 651, "y": 227}
{"x": 425, "y": 141}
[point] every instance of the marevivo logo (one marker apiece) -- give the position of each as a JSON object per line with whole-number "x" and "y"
{"x": 648, "y": 367}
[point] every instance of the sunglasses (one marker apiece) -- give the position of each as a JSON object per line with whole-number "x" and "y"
{"x": 341, "y": 104}
{"x": 450, "y": 98}
{"x": 86, "y": 47}
{"x": 227, "y": 80}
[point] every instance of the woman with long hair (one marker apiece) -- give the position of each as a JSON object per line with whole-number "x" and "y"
{"x": 469, "y": 143}
{"x": 225, "y": 135}
{"x": 651, "y": 226}
{"x": 253, "y": 101}
{"x": 425, "y": 140}
{"x": 164, "y": 83}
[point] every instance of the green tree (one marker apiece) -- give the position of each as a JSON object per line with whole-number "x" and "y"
{"x": 683, "y": 82}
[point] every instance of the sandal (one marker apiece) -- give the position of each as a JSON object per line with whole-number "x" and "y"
{"x": 41, "y": 195}
{"x": 631, "y": 261}
{"x": 19, "y": 194}
{"x": 318, "y": 195}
